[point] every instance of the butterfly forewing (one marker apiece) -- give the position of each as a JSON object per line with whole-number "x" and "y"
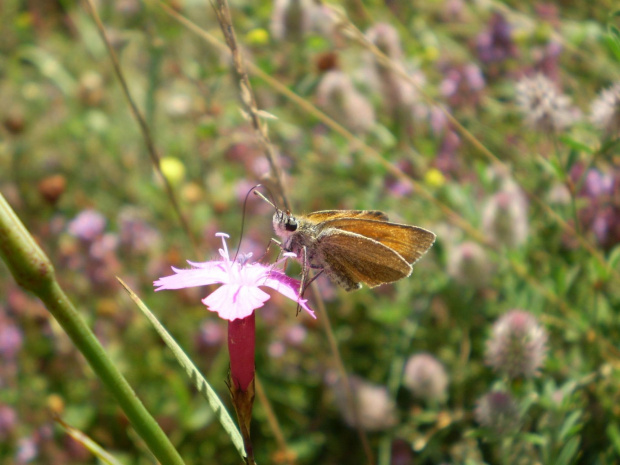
{"x": 411, "y": 242}
{"x": 326, "y": 215}
{"x": 356, "y": 258}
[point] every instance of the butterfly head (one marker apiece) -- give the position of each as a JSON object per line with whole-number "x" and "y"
{"x": 284, "y": 224}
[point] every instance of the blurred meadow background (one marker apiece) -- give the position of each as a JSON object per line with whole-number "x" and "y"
{"x": 493, "y": 124}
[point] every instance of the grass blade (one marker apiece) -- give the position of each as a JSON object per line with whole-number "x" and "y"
{"x": 199, "y": 381}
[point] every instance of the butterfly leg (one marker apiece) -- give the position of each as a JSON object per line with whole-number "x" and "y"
{"x": 272, "y": 241}
{"x": 311, "y": 281}
{"x": 305, "y": 270}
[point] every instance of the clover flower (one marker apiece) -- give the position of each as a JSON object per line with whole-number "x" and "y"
{"x": 426, "y": 377}
{"x": 499, "y": 412}
{"x": 605, "y": 110}
{"x": 337, "y": 95}
{"x": 544, "y": 107}
{"x": 504, "y": 217}
{"x": 240, "y": 293}
{"x": 291, "y": 19}
{"x": 469, "y": 265}
{"x": 518, "y": 346}
{"x": 376, "y": 410}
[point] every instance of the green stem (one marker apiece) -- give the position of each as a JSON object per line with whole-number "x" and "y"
{"x": 569, "y": 184}
{"x": 33, "y": 271}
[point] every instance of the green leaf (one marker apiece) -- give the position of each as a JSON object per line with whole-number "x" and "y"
{"x": 614, "y": 435}
{"x": 104, "y": 456}
{"x": 570, "y": 427}
{"x": 613, "y": 39}
{"x": 79, "y": 416}
{"x": 199, "y": 418}
{"x": 614, "y": 257}
{"x": 50, "y": 67}
{"x": 569, "y": 451}
{"x": 601, "y": 270}
{"x": 384, "y": 137}
{"x": 611, "y": 144}
{"x": 613, "y": 45}
{"x": 576, "y": 145}
{"x": 535, "y": 439}
{"x": 572, "y": 275}
{"x": 551, "y": 166}
{"x": 199, "y": 381}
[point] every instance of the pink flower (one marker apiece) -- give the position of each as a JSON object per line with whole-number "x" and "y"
{"x": 240, "y": 293}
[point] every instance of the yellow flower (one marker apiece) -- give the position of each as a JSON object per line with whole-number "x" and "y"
{"x": 431, "y": 53}
{"x": 173, "y": 169}
{"x": 434, "y": 178}
{"x": 257, "y": 36}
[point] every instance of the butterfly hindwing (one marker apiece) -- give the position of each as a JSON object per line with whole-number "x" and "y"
{"x": 410, "y": 242}
{"x": 358, "y": 259}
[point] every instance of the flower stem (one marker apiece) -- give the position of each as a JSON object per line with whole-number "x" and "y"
{"x": 33, "y": 270}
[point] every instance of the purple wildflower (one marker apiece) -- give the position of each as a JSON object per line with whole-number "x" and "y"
{"x": 462, "y": 85}
{"x": 601, "y": 211}
{"x": 240, "y": 293}
{"x": 495, "y": 44}
{"x": 11, "y": 340}
{"x": 8, "y": 421}
{"x": 87, "y": 225}
{"x": 235, "y": 301}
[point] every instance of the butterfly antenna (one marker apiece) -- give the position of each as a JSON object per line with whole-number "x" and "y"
{"x": 245, "y": 202}
{"x": 270, "y": 202}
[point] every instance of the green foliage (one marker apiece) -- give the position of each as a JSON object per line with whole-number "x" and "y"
{"x": 68, "y": 143}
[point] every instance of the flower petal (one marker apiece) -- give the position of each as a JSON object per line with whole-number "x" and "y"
{"x": 208, "y": 273}
{"x": 288, "y": 287}
{"x": 253, "y": 274}
{"x": 232, "y": 301}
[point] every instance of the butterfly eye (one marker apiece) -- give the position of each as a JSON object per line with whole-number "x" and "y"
{"x": 291, "y": 224}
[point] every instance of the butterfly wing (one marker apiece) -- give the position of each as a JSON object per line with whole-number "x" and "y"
{"x": 327, "y": 215}
{"x": 411, "y": 242}
{"x": 351, "y": 259}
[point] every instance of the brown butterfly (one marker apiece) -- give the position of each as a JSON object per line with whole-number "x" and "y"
{"x": 352, "y": 246}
